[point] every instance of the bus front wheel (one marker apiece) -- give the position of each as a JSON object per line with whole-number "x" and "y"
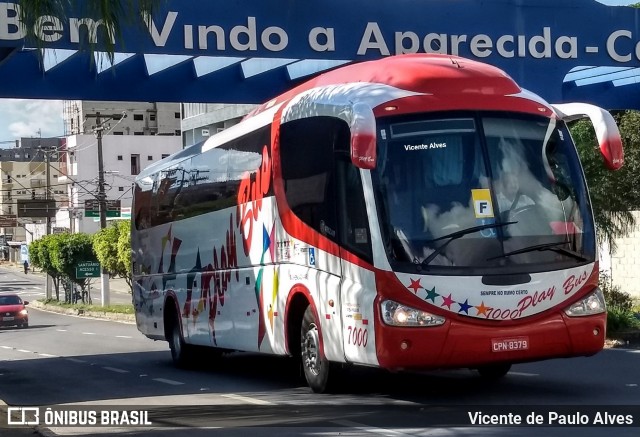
{"x": 318, "y": 371}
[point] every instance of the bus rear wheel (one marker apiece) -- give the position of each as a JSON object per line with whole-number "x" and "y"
{"x": 181, "y": 353}
{"x": 318, "y": 371}
{"x": 494, "y": 371}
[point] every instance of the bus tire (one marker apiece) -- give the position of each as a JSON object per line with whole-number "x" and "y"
{"x": 494, "y": 371}
{"x": 181, "y": 352}
{"x": 321, "y": 375}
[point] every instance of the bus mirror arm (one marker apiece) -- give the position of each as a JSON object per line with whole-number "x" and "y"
{"x": 362, "y": 124}
{"x": 605, "y": 126}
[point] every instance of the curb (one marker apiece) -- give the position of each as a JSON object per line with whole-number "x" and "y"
{"x": 115, "y": 317}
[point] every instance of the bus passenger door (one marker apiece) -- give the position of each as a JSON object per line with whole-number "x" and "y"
{"x": 357, "y": 288}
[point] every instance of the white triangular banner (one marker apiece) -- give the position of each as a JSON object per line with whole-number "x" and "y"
{"x": 208, "y": 64}
{"x": 54, "y": 57}
{"x": 103, "y": 63}
{"x": 157, "y": 63}
{"x": 255, "y": 66}
{"x": 311, "y": 66}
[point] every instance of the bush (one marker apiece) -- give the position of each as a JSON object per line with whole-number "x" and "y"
{"x": 620, "y": 319}
{"x": 613, "y": 296}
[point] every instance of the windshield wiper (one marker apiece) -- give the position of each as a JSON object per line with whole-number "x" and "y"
{"x": 541, "y": 247}
{"x": 455, "y": 235}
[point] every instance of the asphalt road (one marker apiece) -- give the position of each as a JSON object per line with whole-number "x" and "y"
{"x": 76, "y": 363}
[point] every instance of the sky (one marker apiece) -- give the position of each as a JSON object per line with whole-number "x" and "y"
{"x": 32, "y": 118}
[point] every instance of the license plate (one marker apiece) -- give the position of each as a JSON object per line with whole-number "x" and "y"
{"x": 509, "y": 344}
{"x": 7, "y": 319}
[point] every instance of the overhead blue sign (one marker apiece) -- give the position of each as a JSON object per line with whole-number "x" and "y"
{"x": 217, "y": 51}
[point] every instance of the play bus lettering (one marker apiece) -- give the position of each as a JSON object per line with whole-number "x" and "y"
{"x": 415, "y": 212}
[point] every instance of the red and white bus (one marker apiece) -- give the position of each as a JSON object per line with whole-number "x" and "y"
{"x": 414, "y": 212}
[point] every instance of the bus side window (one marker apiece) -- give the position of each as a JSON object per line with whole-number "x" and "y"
{"x": 307, "y": 170}
{"x": 352, "y": 209}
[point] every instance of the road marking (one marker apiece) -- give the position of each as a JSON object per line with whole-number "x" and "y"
{"x": 247, "y": 399}
{"x": 49, "y": 355}
{"x": 6, "y": 347}
{"x": 113, "y": 369}
{"x": 24, "y": 350}
{"x": 89, "y": 333}
{"x": 522, "y": 374}
{"x": 75, "y": 360}
{"x": 370, "y": 429}
{"x": 37, "y": 288}
{"x": 61, "y": 330}
{"x": 123, "y": 336}
{"x": 168, "y": 381}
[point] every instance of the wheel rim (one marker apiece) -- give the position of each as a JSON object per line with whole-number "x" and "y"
{"x": 310, "y": 348}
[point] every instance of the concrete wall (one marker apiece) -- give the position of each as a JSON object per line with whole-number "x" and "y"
{"x": 625, "y": 262}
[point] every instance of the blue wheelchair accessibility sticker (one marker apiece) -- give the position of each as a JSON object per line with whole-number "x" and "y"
{"x": 312, "y": 256}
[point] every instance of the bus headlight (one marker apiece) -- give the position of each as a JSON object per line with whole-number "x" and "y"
{"x": 396, "y": 314}
{"x": 591, "y": 304}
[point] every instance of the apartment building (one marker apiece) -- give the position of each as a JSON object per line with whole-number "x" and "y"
{"x": 23, "y": 175}
{"x": 134, "y": 135}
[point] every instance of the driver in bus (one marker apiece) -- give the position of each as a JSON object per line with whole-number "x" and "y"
{"x": 509, "y": 195}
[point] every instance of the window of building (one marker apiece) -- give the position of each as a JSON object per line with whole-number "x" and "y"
{"x": 138, "y": 133}
{"x": 138, "y": 117}
{"x": 165, "y": 155}
{"x": 119, "y": 157}
{"x": 152, "y": 117}
{"x": 118, "y": 133}
{"x": 149, "y": 158}
{"x": 120, "y": 188}
{"x": 135, "y": 164}
{"x": 178, "y": 132}
{"x": 177, "y": 115}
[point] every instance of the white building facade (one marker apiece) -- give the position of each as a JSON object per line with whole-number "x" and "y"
{"x": 123, "y": 157}
{"x": 134, "y": 135}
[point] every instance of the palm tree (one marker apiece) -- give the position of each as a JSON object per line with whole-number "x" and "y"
{"x": 113, "y": 14}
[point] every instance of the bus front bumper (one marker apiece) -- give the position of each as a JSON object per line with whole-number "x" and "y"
{"x": 458, "y": 344}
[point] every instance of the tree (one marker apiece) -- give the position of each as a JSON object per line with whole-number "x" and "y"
{"x": 68, "y": 251}
{"x": 113, "y": 14}
{"x": 40, "y": 252}
{"x": 613, "y": 194}
{"x": 112, "y": 246}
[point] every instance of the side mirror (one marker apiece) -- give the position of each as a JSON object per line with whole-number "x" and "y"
{"x": 605, "y": 126}
{"x": 561, "y": 191}
{"x": 363, "y": 136}
{"x": 26, "y": 302}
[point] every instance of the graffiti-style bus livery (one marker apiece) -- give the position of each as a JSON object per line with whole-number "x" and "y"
{"x": 414, "y": 212}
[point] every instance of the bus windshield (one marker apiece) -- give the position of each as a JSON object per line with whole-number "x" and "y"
{"x": 487, "y": 193}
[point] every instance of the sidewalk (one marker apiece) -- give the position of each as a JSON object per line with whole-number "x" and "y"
{"x": 119, "y": 291}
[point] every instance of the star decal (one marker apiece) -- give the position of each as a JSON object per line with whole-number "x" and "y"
{"x": 447, "y": 301}
{"x": 482, "y": 309}
{"x": 431, "y": 294}
{"x": 415, "y": 286}
{"x": 464, "y": 306}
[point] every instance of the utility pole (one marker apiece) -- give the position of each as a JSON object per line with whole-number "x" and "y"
{"x": 102, "y": 202}
{"x": 48, "y": 292}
